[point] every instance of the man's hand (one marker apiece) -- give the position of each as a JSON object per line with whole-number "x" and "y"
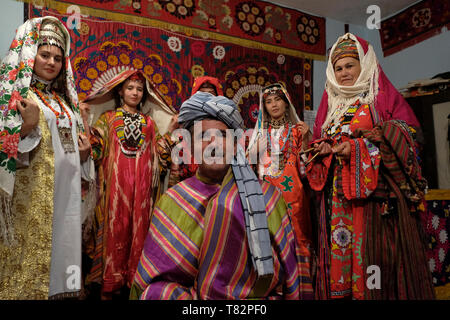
{"x": 29, "y": 110}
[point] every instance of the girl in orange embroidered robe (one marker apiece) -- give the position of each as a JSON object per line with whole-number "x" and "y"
{"x": 369, "y": 184}
{"x": 128, "y": 150}
{"x": 283, "y": 127}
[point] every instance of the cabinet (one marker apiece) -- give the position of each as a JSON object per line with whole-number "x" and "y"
{"x": 433, "y": 111}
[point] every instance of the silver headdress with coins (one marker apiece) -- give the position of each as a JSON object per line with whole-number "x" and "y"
{"x": 51, "y": 34}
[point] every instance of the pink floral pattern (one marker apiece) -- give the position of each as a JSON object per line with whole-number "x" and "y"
{"x": 10, "y": 143}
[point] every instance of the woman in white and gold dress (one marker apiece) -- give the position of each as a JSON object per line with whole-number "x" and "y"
{"x": 47, "y": 156}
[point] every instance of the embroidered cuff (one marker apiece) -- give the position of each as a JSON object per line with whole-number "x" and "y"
{"x": 31, "y": 141}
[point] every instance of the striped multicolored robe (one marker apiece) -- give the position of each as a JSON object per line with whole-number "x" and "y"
{"x": 197, "y": 247}
{"x": 368, "y": 223}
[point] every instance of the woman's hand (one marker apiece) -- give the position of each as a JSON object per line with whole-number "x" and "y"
{"x": 306, "y": 134}
{"x": 84, "y": 147}
{"x": 173, "y": 124}
{"x": 304, "y": 128}
{"x": 29, "y": 110}
{"x": 85, "y": 110}
{"x": 342, "y": 150}
{"x": 323, "y": 148}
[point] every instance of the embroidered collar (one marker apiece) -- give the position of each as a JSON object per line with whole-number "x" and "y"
{"x": 41, "y": 84}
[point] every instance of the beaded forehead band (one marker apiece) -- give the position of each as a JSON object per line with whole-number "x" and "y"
{"x": 273, "y": 89}
{"x": 137, "y": 77}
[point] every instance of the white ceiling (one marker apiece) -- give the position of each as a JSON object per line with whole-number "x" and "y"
{"x": 347, "y": 11}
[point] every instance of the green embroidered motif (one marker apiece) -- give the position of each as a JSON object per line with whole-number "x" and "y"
{"x": 358, "y": 248}
{"x": 355, "y": 277}
{"x": 340, "y": 258}
{"x": 341, "y": 214}
{"x": 336, "y": 204}
{"x": 289, "y": 206}
{"x": 346, "y": 269}
{"x": 285, "y": 184}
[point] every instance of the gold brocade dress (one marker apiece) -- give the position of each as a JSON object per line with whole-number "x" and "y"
{"x": 25, "y": 267}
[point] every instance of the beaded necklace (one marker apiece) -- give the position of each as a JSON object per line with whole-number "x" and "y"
{"x": 335, "y": 130}
{"x": 59, "y": 115}
{"x": 284, "y": 156}
{"x": 285, "y": 137}
{"x": 41, "y": 84}
{"x": 65, "y": 134}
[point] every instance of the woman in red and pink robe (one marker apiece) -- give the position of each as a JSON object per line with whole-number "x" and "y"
{"x": 128, "y": 151}
{"x": 370, "y": 243}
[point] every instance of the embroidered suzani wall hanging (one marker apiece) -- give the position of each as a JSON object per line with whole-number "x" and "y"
{"x": 173, "y": 59}
{"x": 417, "y": 23}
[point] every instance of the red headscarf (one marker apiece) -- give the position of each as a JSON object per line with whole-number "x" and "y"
{"x": 389, "y": 103}
{"x": 198, "y": 82}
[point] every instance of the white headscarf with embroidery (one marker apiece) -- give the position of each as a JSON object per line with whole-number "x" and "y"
{"x": 16, "y": 71}
{"x": 340, "y": 98}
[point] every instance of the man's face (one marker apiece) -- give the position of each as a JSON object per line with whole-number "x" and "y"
{"x": 208, "y": 87}
{"x": 212, "y": 146}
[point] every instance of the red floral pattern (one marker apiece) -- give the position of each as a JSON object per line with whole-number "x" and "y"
{"x": 259, "y": 23}
{"x": 414, "y": 24}
{"x": 242, "y": 72}
{"x": 10, "y": 144}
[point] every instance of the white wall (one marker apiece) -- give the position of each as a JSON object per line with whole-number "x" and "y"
{"x": 11, "y": 18}
{"x": 420, "y": 61}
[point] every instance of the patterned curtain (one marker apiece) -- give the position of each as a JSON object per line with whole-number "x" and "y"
{"x": 173, "y": 58}
{"x": 414, "y": 24}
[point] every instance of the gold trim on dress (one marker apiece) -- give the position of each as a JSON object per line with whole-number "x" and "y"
{"x": 25, "y": 268}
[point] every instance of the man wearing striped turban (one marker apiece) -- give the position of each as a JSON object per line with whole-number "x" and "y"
{"x": 221, "y": 234}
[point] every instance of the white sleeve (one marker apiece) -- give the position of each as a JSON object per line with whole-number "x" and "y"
{"x": 31, "y": 141}
{"x": 88, "y": 170}
{"x": 27, "y": 144}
